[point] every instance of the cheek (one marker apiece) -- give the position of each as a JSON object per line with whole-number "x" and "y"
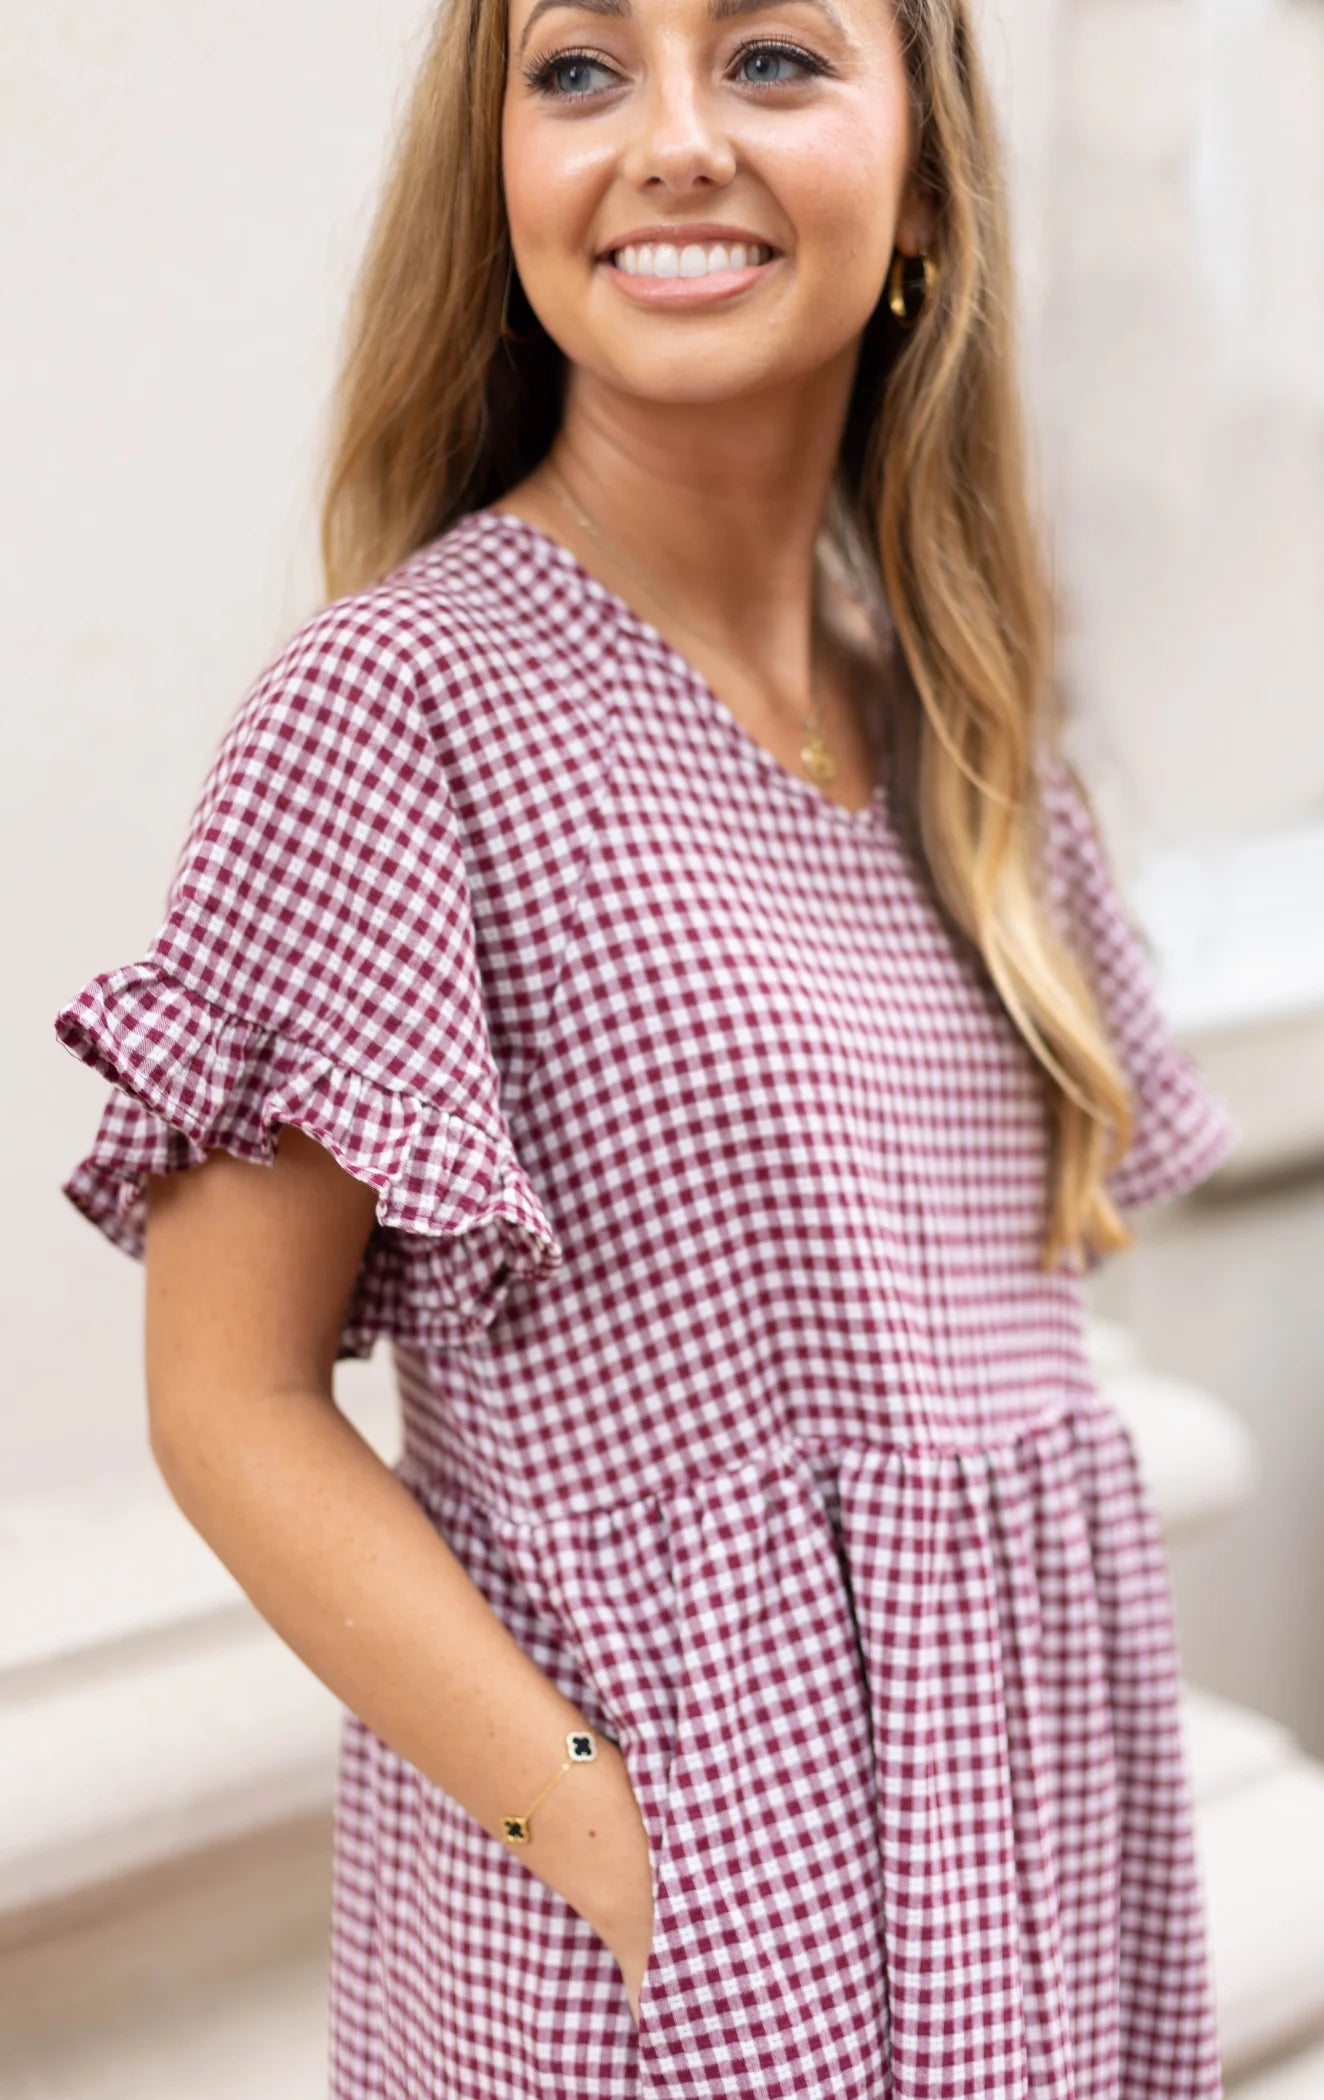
{"x": 548, "y": 180}
{"x": 520, "y": 174}
{"x": 839, "y": 181}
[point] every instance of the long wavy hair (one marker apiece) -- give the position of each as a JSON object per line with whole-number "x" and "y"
{"x": 437, "y": 413}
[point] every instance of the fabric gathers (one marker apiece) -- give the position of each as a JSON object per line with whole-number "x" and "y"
{"x": 457, "y": 1220}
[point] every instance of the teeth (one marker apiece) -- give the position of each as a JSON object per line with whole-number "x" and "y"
{"x": 696, "y": 259}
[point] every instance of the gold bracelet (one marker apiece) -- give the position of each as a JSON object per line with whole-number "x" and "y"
{"x": 582, "y": 1747}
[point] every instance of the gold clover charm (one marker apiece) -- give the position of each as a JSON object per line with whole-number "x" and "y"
{"x": 581, "y": 1747}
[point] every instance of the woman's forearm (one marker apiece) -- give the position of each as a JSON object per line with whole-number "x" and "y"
{"x": 340, "y": 1560}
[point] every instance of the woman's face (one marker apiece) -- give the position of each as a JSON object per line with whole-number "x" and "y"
{"x": 660, "y": 124}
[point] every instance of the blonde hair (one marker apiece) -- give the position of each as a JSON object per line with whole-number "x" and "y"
{"x": 436, "y": 414}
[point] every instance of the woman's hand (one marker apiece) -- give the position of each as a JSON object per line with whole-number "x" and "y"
{"x": 625, "y": 1920}
{"x": 632, "y": 1950}
{"x": 590, "y": 1844}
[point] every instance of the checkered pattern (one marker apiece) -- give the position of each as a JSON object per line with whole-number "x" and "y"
{"x": 1182, "y": 1131}
{"x": 316, "y": 967}
{"x": 712, "y": 1183}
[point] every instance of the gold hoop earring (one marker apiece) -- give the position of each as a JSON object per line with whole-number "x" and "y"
{"x": 896, "y": 287}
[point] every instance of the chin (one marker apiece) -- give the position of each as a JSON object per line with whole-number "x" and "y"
{"x": 678, "y": 375}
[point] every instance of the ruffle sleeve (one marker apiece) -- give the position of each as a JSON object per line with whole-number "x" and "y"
{"x": 317, "y": 966}
{"x": 1183, "y": 1130}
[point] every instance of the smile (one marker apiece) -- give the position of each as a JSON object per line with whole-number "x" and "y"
{"x": 696, "y": 259}
{"x": 661, "y": 274}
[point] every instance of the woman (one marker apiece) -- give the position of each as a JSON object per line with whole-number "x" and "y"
{"x": 640, "y": 950}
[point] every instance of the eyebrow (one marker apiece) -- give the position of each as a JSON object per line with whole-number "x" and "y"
{"x": 717, "y": 10}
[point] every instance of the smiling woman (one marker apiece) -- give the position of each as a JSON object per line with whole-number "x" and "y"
{"x": 640, "y": 951}
{"x": 803, "y": 130}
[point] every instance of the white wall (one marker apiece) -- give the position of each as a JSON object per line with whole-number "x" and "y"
{"x": 184, "y": 197}
{"x": 1184, "y": 398}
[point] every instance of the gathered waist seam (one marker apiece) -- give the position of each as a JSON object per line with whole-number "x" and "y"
{"x": 822, "y": 1453}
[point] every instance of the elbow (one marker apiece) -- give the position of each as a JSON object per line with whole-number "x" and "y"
{"x": 187, "y": 1417}
{"x": 167, "y": 1440}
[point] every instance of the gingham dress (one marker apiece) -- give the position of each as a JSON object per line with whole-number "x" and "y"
{"x": 711, "y": 1178}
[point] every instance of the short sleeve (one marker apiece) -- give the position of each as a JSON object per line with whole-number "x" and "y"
{"x": 317, "y": 967}
{"x": 1183, "y": 1130}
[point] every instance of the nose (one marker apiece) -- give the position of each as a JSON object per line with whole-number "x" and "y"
{"x": 676, "y": 136}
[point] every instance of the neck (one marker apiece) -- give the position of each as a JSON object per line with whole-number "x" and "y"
{"x": 718, "y": 507}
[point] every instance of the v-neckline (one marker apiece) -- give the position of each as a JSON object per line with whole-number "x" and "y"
{"x": 747, "y": 747}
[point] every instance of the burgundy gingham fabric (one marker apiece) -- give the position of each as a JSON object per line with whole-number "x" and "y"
{"x": 712, "y": 1176}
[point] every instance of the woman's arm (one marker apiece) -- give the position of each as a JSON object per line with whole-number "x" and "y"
{"x": 249, "y": 1271}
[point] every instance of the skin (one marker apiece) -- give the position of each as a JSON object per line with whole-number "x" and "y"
{"x": 702, "y": 440}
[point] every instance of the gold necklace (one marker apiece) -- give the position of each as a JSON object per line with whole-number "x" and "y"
{"x": 815, "y": 756}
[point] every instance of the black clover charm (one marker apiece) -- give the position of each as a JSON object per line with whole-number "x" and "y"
{"x": 516, "y": 1828}
{"x": 582, "y": 1747}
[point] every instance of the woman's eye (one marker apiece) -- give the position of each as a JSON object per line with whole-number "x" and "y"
{"x": 779, "y": 52}
{"x": 541, "y": 75}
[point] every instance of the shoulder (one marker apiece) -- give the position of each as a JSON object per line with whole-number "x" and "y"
{"x": 1075, "y": 863}
{"x": 460, "y": 659}
{"x": 1089, "y": 899}
{"x": 1062, "y": 794}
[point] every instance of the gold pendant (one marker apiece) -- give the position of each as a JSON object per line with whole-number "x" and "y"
{"x": 818, "y": 761}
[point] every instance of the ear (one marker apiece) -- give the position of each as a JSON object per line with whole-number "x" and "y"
{"x": 915, "y": 222}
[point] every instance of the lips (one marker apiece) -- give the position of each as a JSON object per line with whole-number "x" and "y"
{"x": 700, "y": 290}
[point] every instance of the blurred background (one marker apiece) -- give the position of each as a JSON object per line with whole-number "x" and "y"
{"x": 183, "y": 195}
